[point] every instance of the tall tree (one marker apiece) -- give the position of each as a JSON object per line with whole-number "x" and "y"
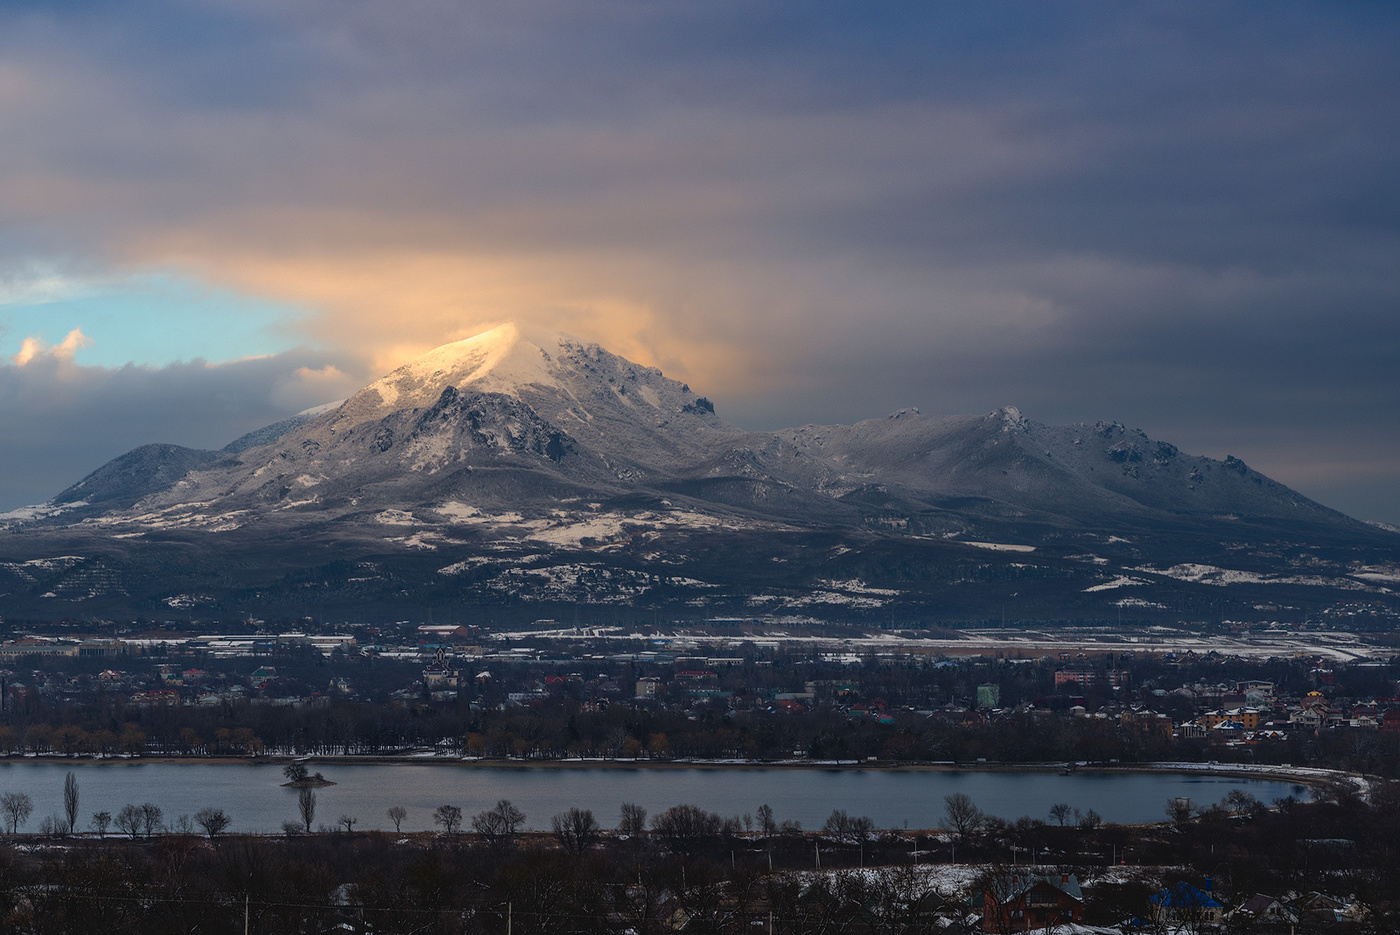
{"x": 70, "y": 801}
{"x": 306, "y": 806}
{"x": 151, "y": 817}
{"x": 766, "y": 824}
{"x": 634, "y": 820}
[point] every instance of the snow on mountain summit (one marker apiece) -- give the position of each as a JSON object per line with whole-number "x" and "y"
{"x": 500, "y": 360}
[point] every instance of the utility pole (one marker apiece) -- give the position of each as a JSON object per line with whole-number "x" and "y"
{"x": 509, "y": 908}
{"x": 245, "y": 914}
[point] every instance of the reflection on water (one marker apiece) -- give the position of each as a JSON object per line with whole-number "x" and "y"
{"x": 254, "y": 798}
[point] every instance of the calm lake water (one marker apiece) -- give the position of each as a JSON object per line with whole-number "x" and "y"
{"x": 253, "y": 797}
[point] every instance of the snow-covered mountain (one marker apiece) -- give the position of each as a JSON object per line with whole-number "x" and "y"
{"x": 551, "y": 470}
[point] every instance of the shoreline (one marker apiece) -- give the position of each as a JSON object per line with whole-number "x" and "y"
{"x": 1312, "y": 777}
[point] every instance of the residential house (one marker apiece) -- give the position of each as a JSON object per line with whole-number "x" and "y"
{"x": 1263, "y": 913}
{"x": 1027, "y": 901}
{"x": 1183, "y": 904}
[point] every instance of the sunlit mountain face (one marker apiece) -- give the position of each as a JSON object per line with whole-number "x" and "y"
{"x": 529, "y": 474}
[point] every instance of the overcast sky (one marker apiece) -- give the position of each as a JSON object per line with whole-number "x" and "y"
{"x": 1182, "y": 216}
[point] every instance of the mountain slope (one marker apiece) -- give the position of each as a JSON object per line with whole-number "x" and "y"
{"x": 127, "y": 478}
{"x": 524, "y": 472}
{"x": 1069, "y": 472}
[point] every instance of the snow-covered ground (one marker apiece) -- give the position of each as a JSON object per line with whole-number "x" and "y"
{"x": 1224, "y": 577}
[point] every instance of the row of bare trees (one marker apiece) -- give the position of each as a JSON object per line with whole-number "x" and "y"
{"x": 146, "y": 819}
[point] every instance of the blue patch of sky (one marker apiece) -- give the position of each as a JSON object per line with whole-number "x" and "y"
{"x": 154, "y": 320}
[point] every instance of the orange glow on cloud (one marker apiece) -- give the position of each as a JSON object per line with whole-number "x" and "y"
{"x": 389, "y": 306}
{"x": 33, "y": 348}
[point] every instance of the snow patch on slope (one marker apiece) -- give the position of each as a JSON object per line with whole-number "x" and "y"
{"x": 27, "y": 514}
{"x": 1122, "y": 581}
{"x": 1224, "y": 577}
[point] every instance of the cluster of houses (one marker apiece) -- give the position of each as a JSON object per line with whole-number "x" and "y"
{"x": 170, "y": 686}
{"x": 1243, "y": 712}
{"x": 1037, "y": 902}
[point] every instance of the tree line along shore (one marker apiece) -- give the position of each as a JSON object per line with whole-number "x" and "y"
{"x": 681, "y": 867}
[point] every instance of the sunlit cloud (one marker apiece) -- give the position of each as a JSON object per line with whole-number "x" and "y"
{"x": 32, "y": 347}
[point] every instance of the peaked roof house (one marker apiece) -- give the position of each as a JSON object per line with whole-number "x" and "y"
{"x": 1022, "y": 902}
{"x": 1265, "y": 911}
{"x": 1182, "y": 904}
{"x": 1320, "y": 908}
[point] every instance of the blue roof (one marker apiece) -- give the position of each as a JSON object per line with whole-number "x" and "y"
{"x": 1184, "y": 896}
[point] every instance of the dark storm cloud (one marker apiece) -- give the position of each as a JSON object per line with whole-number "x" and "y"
{"x": 1182, "y": 216}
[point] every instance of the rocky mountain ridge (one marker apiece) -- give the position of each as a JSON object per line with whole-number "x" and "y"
{"x": 506, "y": 470}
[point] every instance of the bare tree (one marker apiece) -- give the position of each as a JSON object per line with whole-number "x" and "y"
{"x": 450, "y": 817}
{"x": 1179, "y": 811}
{"x": 682, "y": 827}
{"x": 961, "y": 814}
{"x": 101, "y": 821}
{"x": 499, "y": 824}
{"x": 348, "y": 822}
{"x": 1240, "y": 803}
{"x": 306, "y": 806}
{"x": 151, "y": 816}
{"x": 1060, "y": 811}
{"x": 766, "y": 824}
{"x": 17, "y": 807}
{"x": 129, "y": 820}
{"x": 575, "y": 830}
{"x": 212, "y": 820}
{"x": 634, "y": 820}
{"x": 845, "y": 828}
{"x": 70, "y": 801}
{"x": 295, "y": 772}
{"x": 397, "y": 814}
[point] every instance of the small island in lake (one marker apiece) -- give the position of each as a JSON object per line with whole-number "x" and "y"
{"x": 298, "y": 777}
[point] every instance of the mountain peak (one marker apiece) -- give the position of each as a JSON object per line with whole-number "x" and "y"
{"x": 500, "y": 360}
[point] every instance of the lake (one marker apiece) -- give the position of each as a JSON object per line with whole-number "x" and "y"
{"x": 253, "y": 797}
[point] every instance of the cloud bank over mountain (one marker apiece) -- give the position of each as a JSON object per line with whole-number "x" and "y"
{"x": 60, "y": 420}
{"x": 1177, "y": 215}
